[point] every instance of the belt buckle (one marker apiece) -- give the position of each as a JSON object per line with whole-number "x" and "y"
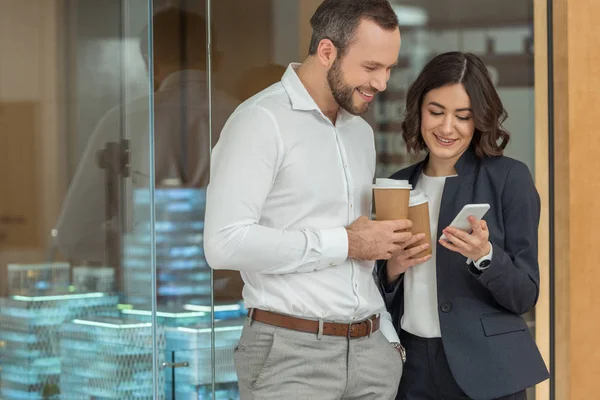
{"x": 369, "y": 322}
{"x": 349, "y": 336}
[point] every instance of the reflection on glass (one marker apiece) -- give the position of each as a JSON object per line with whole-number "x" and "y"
{"x": 193, "y": 345}
{"x": 179, "y": 169}
{"x": 63, "y": 330}
{"x": 31, "y": 328}
{"x": 38, "y": 279}
{"x": 107, "y": 358}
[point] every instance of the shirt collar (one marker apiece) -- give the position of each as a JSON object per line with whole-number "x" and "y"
{"x": 299, "y": 96}
{"x": 302, "y": 100}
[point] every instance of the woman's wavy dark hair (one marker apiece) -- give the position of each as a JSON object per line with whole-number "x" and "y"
{"x": 489, "y": 139}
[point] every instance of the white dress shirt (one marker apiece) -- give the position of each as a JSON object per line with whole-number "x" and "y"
{"x": 285, "y": 182}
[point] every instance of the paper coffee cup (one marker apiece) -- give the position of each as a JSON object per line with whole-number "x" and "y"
{"x": 418, "y": 213}
{"x": 391, "y": 198}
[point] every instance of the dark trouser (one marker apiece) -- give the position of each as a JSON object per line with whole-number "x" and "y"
{"x": 427, "y": 375}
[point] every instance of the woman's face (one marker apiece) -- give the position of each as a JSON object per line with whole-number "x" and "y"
{"x": 447, "y": 124}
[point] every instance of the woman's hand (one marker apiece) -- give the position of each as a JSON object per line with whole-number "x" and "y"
{"x": 401, "y": 260}
{"x": 474, "y": 245}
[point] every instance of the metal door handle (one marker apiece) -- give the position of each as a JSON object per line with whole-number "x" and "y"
{"x": 176, "y": 365}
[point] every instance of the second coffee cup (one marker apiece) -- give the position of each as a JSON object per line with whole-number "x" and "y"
{"x": 391, "y": 198}
{"x": 418, "y": 213}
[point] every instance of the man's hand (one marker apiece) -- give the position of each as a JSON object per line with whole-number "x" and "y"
{"x": 376, "y": 240}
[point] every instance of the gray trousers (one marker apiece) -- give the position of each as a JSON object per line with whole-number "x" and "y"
{"x": 277, "y": 363}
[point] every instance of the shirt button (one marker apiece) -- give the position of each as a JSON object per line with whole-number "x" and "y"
{"x": 446, "y": 307}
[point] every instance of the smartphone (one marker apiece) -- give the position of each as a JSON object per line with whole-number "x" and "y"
{"x": 461, "y": 221}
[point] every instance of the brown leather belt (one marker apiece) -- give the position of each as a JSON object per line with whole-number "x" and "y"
{"x": 352, "y": 330}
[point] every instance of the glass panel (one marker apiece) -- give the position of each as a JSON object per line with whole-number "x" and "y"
{"x": 191, "y": 347}
{"x": 76, "y": 226}
{"x": 183, "y": 144}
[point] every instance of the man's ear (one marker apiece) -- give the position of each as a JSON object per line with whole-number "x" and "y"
{"x": 326, "y": 53}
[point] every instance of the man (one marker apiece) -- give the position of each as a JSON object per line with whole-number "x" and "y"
{"x": 287, "y": 205}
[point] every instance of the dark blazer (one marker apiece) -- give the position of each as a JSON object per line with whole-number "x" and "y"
{"x": 490, "y": 350}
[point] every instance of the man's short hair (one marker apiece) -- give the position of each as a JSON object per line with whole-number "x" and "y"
{"x": 337, "y": 20}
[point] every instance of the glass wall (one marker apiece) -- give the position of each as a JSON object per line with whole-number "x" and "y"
{"x": 108, "y": 113}
{"x": 78, "y": 265}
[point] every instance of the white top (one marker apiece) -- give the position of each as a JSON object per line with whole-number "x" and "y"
{"x": 421, "y": 316}
{"x": 284, "y": 183}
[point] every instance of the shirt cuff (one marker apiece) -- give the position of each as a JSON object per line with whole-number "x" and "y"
{"x": 488, "y": 256}
{"x": 387, "y": 329}
{"x": 334, "y": 242}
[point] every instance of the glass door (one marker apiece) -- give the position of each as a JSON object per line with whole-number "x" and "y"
{"x": 77, "y": 260}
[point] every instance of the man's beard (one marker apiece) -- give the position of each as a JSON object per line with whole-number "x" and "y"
{"x": 342, "y": 92}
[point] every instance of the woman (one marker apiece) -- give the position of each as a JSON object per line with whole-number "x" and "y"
{"x": 459, "y": 311}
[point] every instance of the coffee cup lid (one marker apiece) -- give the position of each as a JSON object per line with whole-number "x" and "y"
{"x": 385, "y": 183}
{"x": 417, "y": 197}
